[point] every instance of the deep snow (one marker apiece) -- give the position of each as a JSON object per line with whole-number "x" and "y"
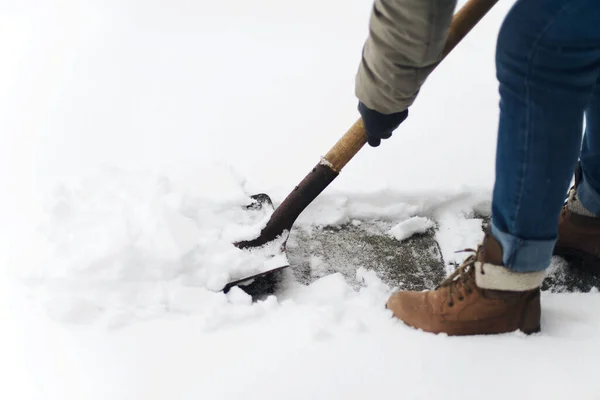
{"x": 131, "y": 133}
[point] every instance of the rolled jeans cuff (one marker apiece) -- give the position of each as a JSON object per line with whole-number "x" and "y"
{"x": 521, "y": 255}
{"x": 588, "y": 196}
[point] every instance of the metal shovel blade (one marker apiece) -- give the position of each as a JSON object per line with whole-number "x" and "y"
{"x": 264, "y": 281}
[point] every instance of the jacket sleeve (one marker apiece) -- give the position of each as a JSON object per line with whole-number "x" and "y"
{"x": 405, "y": 43}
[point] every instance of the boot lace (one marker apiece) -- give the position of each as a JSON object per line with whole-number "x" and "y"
{"x": 463, "y": 277}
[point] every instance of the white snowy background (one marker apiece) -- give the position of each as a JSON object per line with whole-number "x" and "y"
{"x": 130, "y": 133}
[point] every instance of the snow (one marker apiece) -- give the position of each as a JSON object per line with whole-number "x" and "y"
{"x": 323, "y": 341}
{"x": 131, "y": 136}
{"x": 411, "y": 226}
{"x": 137, "y": 225}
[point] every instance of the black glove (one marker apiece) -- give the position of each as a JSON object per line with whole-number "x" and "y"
{"x": 379, "y": 126}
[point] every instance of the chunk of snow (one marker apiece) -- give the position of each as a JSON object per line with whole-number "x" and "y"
{"x": 411, "y": 226}
{"x": 238, "y": 296}
{"x": 327, "y": 289}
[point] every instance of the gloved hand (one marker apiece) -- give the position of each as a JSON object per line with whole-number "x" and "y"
{"x": 379, "y": 126}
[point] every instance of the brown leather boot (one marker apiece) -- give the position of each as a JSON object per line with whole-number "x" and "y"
{"x": 578, "y": 236}
{"x": 480, "y": 297}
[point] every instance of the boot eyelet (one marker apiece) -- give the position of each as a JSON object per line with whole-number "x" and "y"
{"x": 461, "y": 298}
{"x": 450, "y": 304}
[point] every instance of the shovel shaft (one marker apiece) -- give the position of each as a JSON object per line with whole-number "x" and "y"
{"x": 464, "y": 20}
{"x": 355, "y": 138}
{"x": 285, "y": 215}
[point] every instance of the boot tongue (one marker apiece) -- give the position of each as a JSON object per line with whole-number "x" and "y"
{"x": 490, "y": 251}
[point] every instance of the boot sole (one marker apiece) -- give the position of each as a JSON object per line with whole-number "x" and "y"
{"x": 538, "y": 329}
{"x": 587, "y": 261}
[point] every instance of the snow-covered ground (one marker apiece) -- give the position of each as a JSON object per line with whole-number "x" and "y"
{"x": 130, "y": 134}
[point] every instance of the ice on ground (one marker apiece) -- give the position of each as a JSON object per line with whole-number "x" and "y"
{"x": 411, "y": 226}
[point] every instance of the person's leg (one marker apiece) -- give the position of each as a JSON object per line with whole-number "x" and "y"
{"x": 548, "y": 61}
{"x": 579, "y": 222}
{"x": 588, "y": 191}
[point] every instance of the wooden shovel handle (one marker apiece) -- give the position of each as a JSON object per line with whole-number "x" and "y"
{"x": 463, "y": 21}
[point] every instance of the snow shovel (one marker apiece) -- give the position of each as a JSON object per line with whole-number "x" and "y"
{"x": 282, "y": 218}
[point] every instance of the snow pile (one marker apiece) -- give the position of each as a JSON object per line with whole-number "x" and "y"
{"x": 131, "y": 241}
{"x": 411, "y": 226}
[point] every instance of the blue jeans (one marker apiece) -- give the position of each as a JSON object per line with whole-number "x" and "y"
{"x": 548, "y": 67}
